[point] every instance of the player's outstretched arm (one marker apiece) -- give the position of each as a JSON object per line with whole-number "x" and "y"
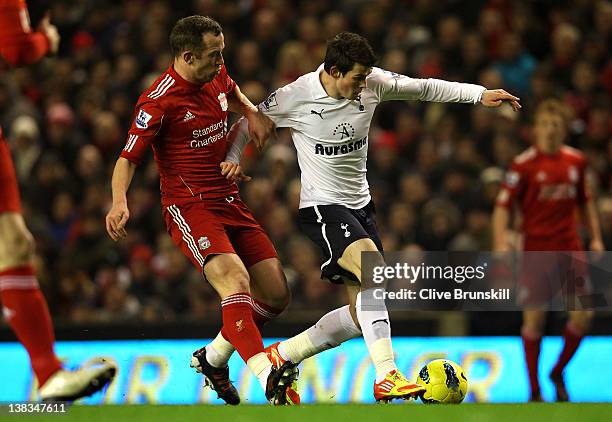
{"x": 119, "y": 213}
{"x": 394, "y": 86}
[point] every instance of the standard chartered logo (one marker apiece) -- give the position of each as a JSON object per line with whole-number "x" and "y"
{"x": 199, "y": 133}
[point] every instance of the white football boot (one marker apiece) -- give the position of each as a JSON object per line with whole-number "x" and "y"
{"x": 67, "y": 385}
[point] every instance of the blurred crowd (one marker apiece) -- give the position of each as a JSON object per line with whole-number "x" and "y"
{"x": 434, "y": 169}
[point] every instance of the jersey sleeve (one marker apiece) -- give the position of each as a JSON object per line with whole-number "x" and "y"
{"x": 513, "y": 186}
{"x": 279, "y": 107}
{"x": 394, "y": 86}
{"x": 145, "y": 127}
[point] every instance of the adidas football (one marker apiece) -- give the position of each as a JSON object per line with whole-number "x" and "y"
{"x": 444, "y": 381}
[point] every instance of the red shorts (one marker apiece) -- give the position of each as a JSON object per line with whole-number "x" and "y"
{"x": 210, "y": 227}
{"x": 9, "y": 189}
{"x": 559, "y": 280}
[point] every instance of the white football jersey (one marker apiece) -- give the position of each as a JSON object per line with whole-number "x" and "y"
{"x": 331, "y": 136}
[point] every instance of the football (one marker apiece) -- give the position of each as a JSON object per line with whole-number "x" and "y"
{"x": 445, "y": 382}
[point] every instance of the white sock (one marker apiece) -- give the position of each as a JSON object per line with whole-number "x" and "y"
{"x": 261, "y": 367}
{"x": 219, "y": 351}
{"x": 332, "y": 329}
{"x": 376, "y": 328}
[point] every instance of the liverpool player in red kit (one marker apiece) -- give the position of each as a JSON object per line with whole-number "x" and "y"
{"x": 548, "y": 183}
{"x": 183, "y": 117}
{"x": 23, "y": 304}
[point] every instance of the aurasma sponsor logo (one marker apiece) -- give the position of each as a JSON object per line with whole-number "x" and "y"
{"x": 341, "y": 149}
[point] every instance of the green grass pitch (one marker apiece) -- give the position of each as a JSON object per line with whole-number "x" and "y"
{"x": 547, "y": 412}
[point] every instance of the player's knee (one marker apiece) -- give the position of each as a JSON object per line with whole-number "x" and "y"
{"x": 351, "y": 258}
{"x": 269, "y": 285}
{"x": 233, "y": 279}
{"x": 532, "y": 330}
{"x": 20, "y": 249}
{"x": 534, "y": 323}
{"x": 238, "y": 280}
{"x": 581, "y": 320}
{"x": 281, "y": 298}
{"x": 278, "y": 295}
{"x": 351, "y": 262}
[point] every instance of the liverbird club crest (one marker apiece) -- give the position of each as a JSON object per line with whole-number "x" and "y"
{"x": 222, "y": 101}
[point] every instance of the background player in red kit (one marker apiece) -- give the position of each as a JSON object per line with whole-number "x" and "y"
{"x": 23, "y": 304}
{"x": 183, "y": 117}
{"x": 548, "y": 183}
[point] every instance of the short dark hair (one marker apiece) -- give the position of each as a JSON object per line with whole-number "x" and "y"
{"x": 346, "y": 49}
{"x": 187, "y": 34}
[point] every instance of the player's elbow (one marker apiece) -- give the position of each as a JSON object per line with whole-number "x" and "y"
{"x": 499, "y": 212}
{"x": 124, "y": 163}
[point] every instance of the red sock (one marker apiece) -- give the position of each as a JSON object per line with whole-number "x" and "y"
{"x": 262, "y": 313}
{"x": 572, "y": 337}
{"x": 531, "y": 345}
{"x": 239, "y": 327}
{"x": 25, "y": 309}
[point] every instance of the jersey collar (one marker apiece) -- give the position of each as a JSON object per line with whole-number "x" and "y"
{"x": 548, "y": 154}
{"x": 318, "y": 92}
{"x": 179, "y": 79}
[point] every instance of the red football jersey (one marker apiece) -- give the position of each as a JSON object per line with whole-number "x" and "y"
{"x": 548, "y": 189}
{"x": 18, "y": 44}
{"x": 186, "y": 125}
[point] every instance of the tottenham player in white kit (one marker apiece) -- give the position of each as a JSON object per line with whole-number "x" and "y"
{"x": 329, "y": 113}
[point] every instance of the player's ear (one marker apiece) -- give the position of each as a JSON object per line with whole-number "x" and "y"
{"x": 188, "y": 57}
{"x": 335, "y": 72}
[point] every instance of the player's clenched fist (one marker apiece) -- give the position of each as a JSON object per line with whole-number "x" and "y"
{"x": 233, "y": 171}
{"x": 116, "y": 219}
{"x": 260, "y": 128}
{"x": 51, "y": 33}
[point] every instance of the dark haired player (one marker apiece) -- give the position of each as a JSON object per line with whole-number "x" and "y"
{"x": 183, "y": 117}
{"x": 329, "y": 112}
